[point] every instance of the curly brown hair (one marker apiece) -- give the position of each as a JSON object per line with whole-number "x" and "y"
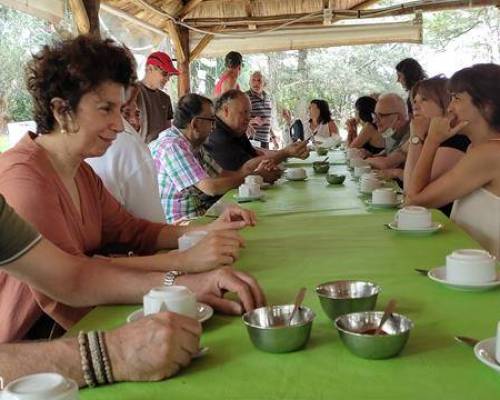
{"x": 71, "y": 68}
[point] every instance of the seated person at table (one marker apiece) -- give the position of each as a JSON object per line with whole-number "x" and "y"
{"x": 127, "y": 169}
{"x": 391, "y": 117}
{"x": 166, "y": 340}
{"x": 190, "y": 180}
{"x": 430, "y": 98}
{"x": 229, "y": 145}
{"x": 369, "y": 138}
{"x": 45, "y": 179}
{"x": 474, "y": 182}
{"x": 321, "y": 126}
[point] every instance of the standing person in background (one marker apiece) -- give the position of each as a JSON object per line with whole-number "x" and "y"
{"x": 409, "y": 72}
{"x": 229, "y": 78}
{"x": 260, "y": 124}
{"x": 154, "y": 103}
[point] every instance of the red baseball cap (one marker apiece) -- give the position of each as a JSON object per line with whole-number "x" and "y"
{"x": 163, "y": 61}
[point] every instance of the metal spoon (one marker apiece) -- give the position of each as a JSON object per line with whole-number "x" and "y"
{"x": 472, "y": 343}
{"x": 298, "y": 301}
{"x": 389, "y": 309}
{"x": 424, "y": 272}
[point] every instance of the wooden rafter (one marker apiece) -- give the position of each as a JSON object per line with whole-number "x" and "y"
{"x": 202, "y": 44}
{"x": 80, "y": 14}
{"x": 173, "y": 31}
{"x": 188, "y": 7}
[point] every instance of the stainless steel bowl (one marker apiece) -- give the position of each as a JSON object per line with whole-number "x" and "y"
{"x": 352, "y": 326}
{"x": 344, "y": 297}
{"x": 269, "y": 330}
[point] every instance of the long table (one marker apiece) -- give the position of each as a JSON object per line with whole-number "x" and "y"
{"x": 289, "y": 250}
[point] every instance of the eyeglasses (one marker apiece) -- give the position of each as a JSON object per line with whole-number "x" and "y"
{"x": 379, "y": 116}
{"x": 211, "y": 119}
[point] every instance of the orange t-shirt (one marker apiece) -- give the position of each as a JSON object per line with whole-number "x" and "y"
{"x": 33, "y": 188}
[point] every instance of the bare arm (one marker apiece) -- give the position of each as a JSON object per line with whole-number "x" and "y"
{"x": 363, "y": 137}
{"x": 332, "y": 128}
{"x": 393, "y": 160}
{"x": 228, "y": 84}
{"x": 81, "y": 281}
{"x": 61, "y": 356}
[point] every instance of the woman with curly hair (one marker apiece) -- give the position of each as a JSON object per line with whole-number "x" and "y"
{"x": 77, "y": 88}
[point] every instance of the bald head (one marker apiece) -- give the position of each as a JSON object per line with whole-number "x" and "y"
{"x": 391, "y": 112}
{"x": 233, "y": 108}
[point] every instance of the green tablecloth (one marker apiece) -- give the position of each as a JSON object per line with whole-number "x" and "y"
{"x": 312, "y": 195}
{"x": 304, "y": 240}
{"x": 286, "y": 252}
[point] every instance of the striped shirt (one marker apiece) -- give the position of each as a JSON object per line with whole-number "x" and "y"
{"x": 180, "y": 168}
{"x": 261, "y": 107}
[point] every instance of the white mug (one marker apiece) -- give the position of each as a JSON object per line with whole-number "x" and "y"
{"x": 470, "y": 266}
{"x": 189, "y": 239}
{"x": 249, "y": 190}
{"x": 368, "y": 183}
{"x": 357, "y": 162}
{"x": 296, "y": 173}
{"x": 178, "y": 299}
{"x": 256, "y": 179}
{"x": 414, "y": 217}
{"x": 43, "y": 386}
{"x": 362, "y": 169}
{"x": 384, "y": 196}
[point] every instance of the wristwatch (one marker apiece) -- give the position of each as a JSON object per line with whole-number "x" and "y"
{"x": 170, "y": 277}
{"x": 414, "y": 139}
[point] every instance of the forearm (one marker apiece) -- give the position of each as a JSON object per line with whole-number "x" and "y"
{"x": 421, "y": 175}
{"x": 220, "y": 185}
{"x": 61, "y": 356}
{"x": 414, "y": 152}
{"x": 160, "y": 262}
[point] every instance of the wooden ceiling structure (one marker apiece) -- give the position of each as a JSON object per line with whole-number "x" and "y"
{"x": 193, "y": 24}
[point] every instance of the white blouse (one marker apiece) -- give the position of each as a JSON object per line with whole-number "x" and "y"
{"x": 478, "y": 214}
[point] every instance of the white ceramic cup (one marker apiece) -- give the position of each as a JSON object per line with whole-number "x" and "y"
{"x": 249, "y": 190}
{"x": 414, "y": 217}
{"x": 470, "y": 266}
{"x": 256, "y": 179}
{"x": 363, "y": 169}
{"x": 178, "y": 299}
{"x": 384, "y": 196}
{"x": 497, "y": 347}
{"x": 368, "y": 183}
{"x": 295, "y": 173}
{"x": 189, "y": 239}
{"x": 44, "y": 386}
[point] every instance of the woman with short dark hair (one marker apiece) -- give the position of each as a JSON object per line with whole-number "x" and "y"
{"x": 474, "y": 182}
{"x": 321, "y": 125}
{"x": 368, "y": 138}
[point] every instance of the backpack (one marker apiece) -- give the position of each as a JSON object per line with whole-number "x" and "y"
{"x": 297, "y": 130}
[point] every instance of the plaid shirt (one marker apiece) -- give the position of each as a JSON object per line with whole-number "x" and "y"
{"x": 180, "y": 168}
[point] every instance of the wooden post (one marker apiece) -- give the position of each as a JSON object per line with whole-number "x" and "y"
{"x": 86, "y": 13}
{"x": 184, "y": 83}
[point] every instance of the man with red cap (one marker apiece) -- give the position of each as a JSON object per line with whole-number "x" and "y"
{"x": 155, "y": 104}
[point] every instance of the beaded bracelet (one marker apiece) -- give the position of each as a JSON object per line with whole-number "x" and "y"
{"x": 88, "y": 373}
{"x": 96, "y": 356}
{"x": 105, "y": 358}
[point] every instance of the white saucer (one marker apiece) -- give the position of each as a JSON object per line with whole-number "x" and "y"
{"x": 397, "y": 204}
{"x": 205, "y": 312}
{"x": 296, "y": 179}
{"x": 249, "y": 198}
{"x": 438, "y": 274}
{"x": 485, "y": 352}
{"x": 433, "y": 228}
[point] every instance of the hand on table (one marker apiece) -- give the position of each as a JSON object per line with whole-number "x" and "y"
{"x": 153, "y": 348}
{"x": 234, "y": 217}
{"x": 210, "y": 287}
{"x": 298, "y": 149}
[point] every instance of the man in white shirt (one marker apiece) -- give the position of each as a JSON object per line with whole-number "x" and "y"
{"x": 127, "y": 169}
